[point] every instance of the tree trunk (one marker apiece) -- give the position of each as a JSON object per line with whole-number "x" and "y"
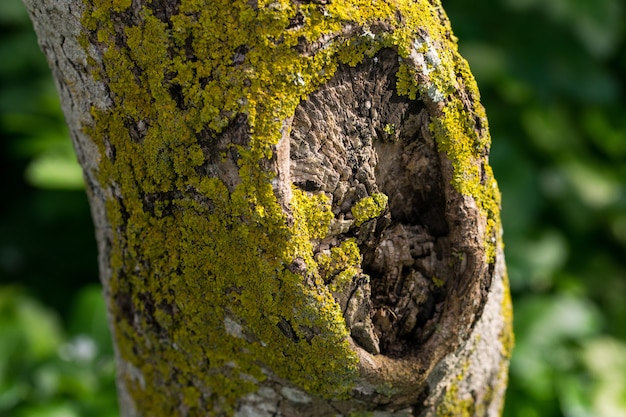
{"x": 293, "y": 205}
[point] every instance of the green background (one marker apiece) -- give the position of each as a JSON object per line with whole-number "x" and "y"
{"x": 551, "y": 77}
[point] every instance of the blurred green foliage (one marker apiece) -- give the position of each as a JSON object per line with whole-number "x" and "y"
{"x": 46, "y": 239}
{"x": 46, "y": 371}
{"x": 551, "y": 78}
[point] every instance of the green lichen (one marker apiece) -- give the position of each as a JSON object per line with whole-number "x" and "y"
{"x": 457, "y": 404}
{"x": 461, "y": 128}
{"x": 457, "y": 136}
{"x": 362, "y": 414}
{"x": 188, "y": 252}
{"x": 368, "y": 208}
{"x": 389, "y": 128}
{"x": 315, "y": 213}
{"x": 507, "y": 336}
{"x": 340, "y": 265}
{"x": 453, "y": 405}
{"x": 312, "y": 217}
{"x": 439, "y": 283}
{"x": 387, "y": 389}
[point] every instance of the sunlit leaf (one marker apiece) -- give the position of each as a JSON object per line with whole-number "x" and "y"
{"x": 58, "y": 409}
{"x": 550, "y": 128}
{"x": 596, "y": 187}
{"x": 89, "y": 316}
{"x": 543, "y": 325}
{"x": 55, "y": 171}
{"x": 574, "y": 396}
{"x": 538, "y": 258}
{"x": 27, "y": 321}
{"x": 606, "y": 359}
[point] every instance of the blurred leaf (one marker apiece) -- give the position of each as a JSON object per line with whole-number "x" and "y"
{"x": 486, "y": 61}
{"x": 550, "y": 128}
{"x": 29, "y": 334}
{"x": 13, "y": 12}
{"x": 89, "y": 316}
{"x": 598, "y": 23}
{"x": 20, "y": 51}
{"x": 574, "y": 396}
{"x": 521, "y": 203}
{"x": 538, "y": 259}
{"x": 55, "y": 171}
{"x": 606, "y": 359}
{"x": 554, "y": 183}
{"x": 618, "y": 227}
{"x": 47, "y": 379}
{"x": 39, "y": 128}
{"x": 594, "y": 185}
{"x": 545, "y": 326}
{"x": 585, "y": 81}
{"x": 82, "y": 349}
{"x": 45, "y": 139}
{"x": 27, "y": 330}
{"x": 41, "y": 373}
{"x": 57, "y": 409}
{"x": 37, "y": 96}
{"x": 11, "y": 393}
{"x": 11, "y": 258}
{"x": 606, "y": 133}
{"x": 548, "y": 320}
{"x": 514, "y": 90}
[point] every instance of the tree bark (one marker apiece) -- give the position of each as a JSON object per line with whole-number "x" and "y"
{"x": 293, "y": 205}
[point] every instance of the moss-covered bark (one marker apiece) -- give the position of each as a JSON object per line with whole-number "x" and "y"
{"x": 264, "y": 246}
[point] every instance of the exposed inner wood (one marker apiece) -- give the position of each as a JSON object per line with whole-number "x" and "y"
{"x": 356, "y": 137}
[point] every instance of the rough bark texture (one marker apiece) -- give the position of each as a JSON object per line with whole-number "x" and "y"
{"x": 293, "y": 205}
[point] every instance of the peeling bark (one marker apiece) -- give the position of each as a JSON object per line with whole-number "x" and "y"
{"x": 326, "y": 243}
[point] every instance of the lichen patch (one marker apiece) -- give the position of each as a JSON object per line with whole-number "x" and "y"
{"x": 283, "y": 180}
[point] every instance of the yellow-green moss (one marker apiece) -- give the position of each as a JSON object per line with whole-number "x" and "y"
{"x": 368, "y": 208}
{"x": 340, "y": 265}
{"x": 456, "y": 131}
{"x": 457, "y": 136}
{"x": 507, "y": 336}
{"x": 461, "y": 131}
{"x": 314, "y": 211}
{"x": 439, "y": 283}
{"x": 453, "y": 405}
{"x": 362, "y": 414}
{"x": 389, "y": 129}
{"x": 208, "y": 252}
